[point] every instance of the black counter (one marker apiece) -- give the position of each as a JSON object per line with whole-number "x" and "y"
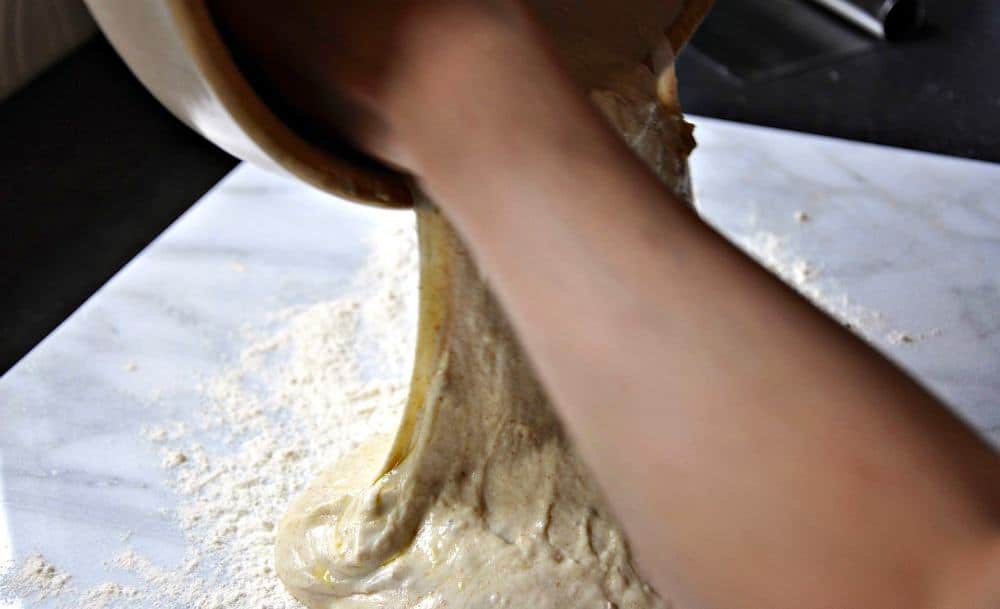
{"x": 938, "y": 92}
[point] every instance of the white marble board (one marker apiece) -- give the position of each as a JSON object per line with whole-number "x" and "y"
{"x": 903, "y": 245}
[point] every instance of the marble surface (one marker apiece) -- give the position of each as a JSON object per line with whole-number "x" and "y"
{"x": 903, "y": 246}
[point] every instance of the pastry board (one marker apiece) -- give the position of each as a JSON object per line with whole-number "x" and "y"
{"x": 902, "y": 246}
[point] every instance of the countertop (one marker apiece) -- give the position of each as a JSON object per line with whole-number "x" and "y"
{"x": 900, "y": 245}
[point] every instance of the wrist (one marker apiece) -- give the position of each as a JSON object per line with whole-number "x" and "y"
{"x": 474, "y": 102}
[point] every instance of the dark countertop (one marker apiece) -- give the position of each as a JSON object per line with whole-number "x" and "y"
{"x": 939, "y": 92}
{"x": 84, "y": 143}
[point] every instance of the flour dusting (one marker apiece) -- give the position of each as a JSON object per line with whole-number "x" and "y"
{"x": 311, "y": 383}
{"x": 35, "y": 578}
{"x": 774, "y": 252}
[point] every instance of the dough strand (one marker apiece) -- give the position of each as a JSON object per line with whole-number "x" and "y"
{"x": 480, "y": 500}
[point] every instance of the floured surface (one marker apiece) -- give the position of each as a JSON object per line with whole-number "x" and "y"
{"x": 899, "y": 245}
{"x": 306, "y": 384}
{"x": 904, "y": 239}
{"x": 36, "y": 579}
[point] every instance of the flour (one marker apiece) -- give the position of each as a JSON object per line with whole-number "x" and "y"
{"x": 107, "y": 595}
{"x": 807, "y": 277}
{"x": 318, "y": 380}
{"x": 173, "y": 458}
{"x": 774, "y": 252}
{"x": 314, "y": 383}
{"x": 36, "y": 579}
{"x": 311, "y": 383}
{"x": 900, "y": 338}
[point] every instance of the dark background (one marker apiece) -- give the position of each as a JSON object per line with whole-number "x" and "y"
{"x": 92, "y": 168}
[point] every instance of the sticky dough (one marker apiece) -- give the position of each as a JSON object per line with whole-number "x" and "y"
{"x": 480, "y": 499}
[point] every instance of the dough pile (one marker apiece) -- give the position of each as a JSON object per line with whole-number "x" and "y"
{"x": 482, "y": 500}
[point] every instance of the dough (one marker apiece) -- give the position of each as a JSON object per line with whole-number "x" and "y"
{"x": 482, "y": 500}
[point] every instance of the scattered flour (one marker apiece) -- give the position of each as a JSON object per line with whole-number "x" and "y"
{"x": 173, "y": 458}
{"x": 154, "y": 433}
{"x": 311, "y": 383}
{"x": 161, "y": 433}
{"x": 775, "y": 253}
{"x": 316, "y": 382}
{"x": 107, "y": 595}
{"x": 35, "y": 578}
{"x": 899, "y": 337}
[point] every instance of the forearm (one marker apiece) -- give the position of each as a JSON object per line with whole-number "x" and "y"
{"x": 756, "y": 451}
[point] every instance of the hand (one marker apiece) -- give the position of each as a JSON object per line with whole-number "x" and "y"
{"x": 353, "y": 68}
{"x": 364, "y": 69}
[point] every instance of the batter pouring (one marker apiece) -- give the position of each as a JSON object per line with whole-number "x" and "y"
{"x": 482, "y": 501}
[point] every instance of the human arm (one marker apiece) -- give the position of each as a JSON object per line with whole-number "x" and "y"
{"x": 758, "y": 454}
